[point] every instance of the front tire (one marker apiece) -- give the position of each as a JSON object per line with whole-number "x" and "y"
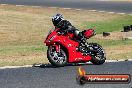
{"x": 99, "y": 57}
{"x": 56, "y": 59}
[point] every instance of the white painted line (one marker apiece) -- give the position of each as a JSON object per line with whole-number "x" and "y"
{"x": 52, "y": 7}
{"x": 121, "y": 13}
{"x": 92, "y": 10}
{"x": 120, "y": 60}
{"x": 9, "y": 67}
{"x": 111, "y": 61}
{"x": 129, "y": 59}
{"x": 20, "y": 5}
{"x": 129, "y": 37}
{"x": 111, "y": 12}
{"x": 129, "y": 14}
{"x": 101, "y": 11}
{"x": 37, "y": 65}
{"x": 67, "y": 8}
{"x": 78, "y": 9}
{"x": 75, "y": 9}
{"x": 37, "y": 6}
{"x": 6, "y": 67}
{"x": 3, "y": 4}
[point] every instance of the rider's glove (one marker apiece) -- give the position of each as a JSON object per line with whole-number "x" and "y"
{"x": 59, "y": 33}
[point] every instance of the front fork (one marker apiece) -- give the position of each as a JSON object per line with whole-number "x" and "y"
{"x": 57, "y": 48}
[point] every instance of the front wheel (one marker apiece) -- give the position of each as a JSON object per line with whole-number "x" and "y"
{"x": 99, "y": 57}
{"x": 55, "y": 58}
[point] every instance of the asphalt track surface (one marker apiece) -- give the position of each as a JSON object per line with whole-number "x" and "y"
{"x": 65, "y": 77}
{"x": 119, "y": 7}
{"x": 62, "y": 77}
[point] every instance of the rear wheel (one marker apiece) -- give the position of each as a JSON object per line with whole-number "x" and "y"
{"x": 99, "y": 57}
{"x": 55, "y": 58}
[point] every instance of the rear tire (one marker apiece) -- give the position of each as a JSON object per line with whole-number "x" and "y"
{"x": 99, "y": 58}
{"x": 55, "y": 58}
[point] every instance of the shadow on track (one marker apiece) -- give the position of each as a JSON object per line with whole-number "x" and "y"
{"x": 41, "y": 65}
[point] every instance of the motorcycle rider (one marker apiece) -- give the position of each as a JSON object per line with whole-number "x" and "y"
{"x": 66, "y": 27}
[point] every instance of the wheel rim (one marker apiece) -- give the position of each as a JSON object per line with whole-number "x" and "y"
{"x": 100, "y": 54}
{"x": 59, "y": 58}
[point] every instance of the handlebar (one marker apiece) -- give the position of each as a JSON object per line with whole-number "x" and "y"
{"x": 61, "y": 33}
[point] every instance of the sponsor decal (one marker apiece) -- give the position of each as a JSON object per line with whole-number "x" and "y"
{"x": 83, "y": 78}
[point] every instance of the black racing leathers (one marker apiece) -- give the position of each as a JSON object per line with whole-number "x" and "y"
{"x": 66, "y": 27}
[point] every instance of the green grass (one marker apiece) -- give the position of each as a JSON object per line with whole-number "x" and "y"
{"x": 23, "y": 29}
{"x": 22, "y": 50}
{"x": 116, "y": 49}
{"x": 16, "y": 61}
{"x": 109, "y": 43}
{"x": 25, "y": 50}
{"x": 110, "y": 25}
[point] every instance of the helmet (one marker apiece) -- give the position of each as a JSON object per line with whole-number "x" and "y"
{"x": 56, "y": 19}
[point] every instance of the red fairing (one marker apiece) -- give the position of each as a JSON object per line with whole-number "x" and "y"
{"x": 53, "y": 39}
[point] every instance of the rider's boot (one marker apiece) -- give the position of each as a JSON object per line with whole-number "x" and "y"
{"x": 83, "y": 40}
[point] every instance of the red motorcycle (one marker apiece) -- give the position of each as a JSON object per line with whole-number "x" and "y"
{"x": 63, "y": 48}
